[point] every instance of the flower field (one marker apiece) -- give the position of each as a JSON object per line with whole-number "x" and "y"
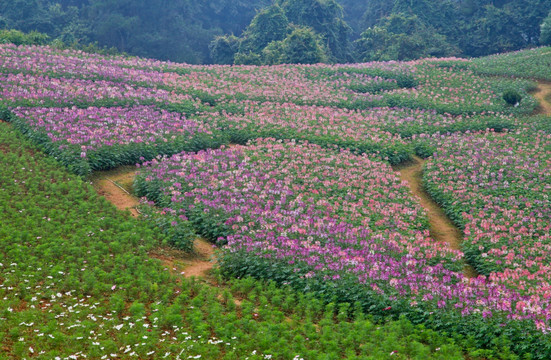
{"x": 76, "y": 282}
{"x": 323, "y": 251}
{"x": 98, "y": 138}
{"x": 329, "y": 221}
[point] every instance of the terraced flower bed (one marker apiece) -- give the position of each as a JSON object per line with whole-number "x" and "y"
{"x": 36, "y": 90}
{"x": 377, "y": 130}
{"x": 419, "y": 85}
{"x": 532, "y": 63}
{"x": 98, "y": 138}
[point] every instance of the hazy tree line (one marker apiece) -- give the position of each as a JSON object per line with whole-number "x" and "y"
{"x": 283, "y": 31}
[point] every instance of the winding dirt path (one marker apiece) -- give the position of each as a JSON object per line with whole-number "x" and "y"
{"x": 441, "y": 227}
{"x": 116, "y": 186}
{"x": 543, "y": 94}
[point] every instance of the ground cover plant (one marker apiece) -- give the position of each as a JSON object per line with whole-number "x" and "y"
{"x": 76, "y": 281}
{"x": 317, "y": 219}
{"x": 533, "y": 63}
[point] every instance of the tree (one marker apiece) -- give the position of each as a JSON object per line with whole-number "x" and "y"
{"x": 402, "y": 37}
{"x": 223, "y": 49}
{"x": 326, "y": 18}
{"x": 545, "y": 36}
{"x": 303, "y": 46}
{"x": 269, "y": 25}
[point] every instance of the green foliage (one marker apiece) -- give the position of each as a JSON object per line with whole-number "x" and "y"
{"x": 223, "y": 49}
{"x": 475, "y": 27}
{"x": 512, "y": 97}
{"x": 326, "y": 18}
{"x": 402, "y": 37}
{"x": 467, "y": 27}
{"x": 269, "y": 25}
{"x": 249, "y": 58}
{"x": 302, "y": 46}
{"x": 296, "y": 32}
{"x": 19, "y": 38}
{"x": 545, "y": 28}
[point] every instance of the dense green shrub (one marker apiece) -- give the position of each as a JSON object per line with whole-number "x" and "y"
{"x": 512, "y": 97}
{"x": 19, "y": 38}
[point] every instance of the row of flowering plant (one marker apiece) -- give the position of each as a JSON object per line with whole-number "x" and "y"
{"x": 98, "y": 138}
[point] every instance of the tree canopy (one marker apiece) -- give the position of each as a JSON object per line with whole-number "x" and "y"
{"x": 254, "y": 31}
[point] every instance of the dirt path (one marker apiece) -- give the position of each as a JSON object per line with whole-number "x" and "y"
{"x": 441, "y": 227}
{"x": 543, "y": 93}
{"x": 116, "y": 186}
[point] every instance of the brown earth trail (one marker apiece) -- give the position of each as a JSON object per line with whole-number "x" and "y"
{"x": 543, "y": 94}
{"x": 116, "y": 186}
{"x": 441, "y": 227}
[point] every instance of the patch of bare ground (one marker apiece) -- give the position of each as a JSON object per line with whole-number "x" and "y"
{"x": 116, "y": 186}
{"x": 198, "y": 264}
{"x": 543, "y": 94}
{"x": 441, "y": 227}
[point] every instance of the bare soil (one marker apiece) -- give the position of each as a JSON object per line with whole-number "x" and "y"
{"x": 116, "y": 186}
{"x": 178, "y": 262}
{"x": 543, "y": 94}
{"x": 441, "y": 227}
{"x": 113, "y": 186}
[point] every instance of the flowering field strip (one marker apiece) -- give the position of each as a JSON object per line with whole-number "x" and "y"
{"x": 449, "y": 86}
{"x": 341, "y": 226}
{"x": 46, "y": 61}
{"x": 30, "y": 90}
{"x": 76, "y": 282}
{"x": 286, "y": 84}
{"x": 101, "y": 138}
{"x": 379, "y": 130}
{"x": 497, "y": 187}
{"x": 532, "y": 63}
{"x": 206, "y": 83}
{"x": 421, "y": 84}
{"x": 359, "y": 131}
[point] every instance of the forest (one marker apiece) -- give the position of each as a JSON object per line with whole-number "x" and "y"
{"x": 287, "y": 31}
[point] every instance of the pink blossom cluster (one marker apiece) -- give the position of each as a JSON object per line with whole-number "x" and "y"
{"x": 35, "y": 90}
